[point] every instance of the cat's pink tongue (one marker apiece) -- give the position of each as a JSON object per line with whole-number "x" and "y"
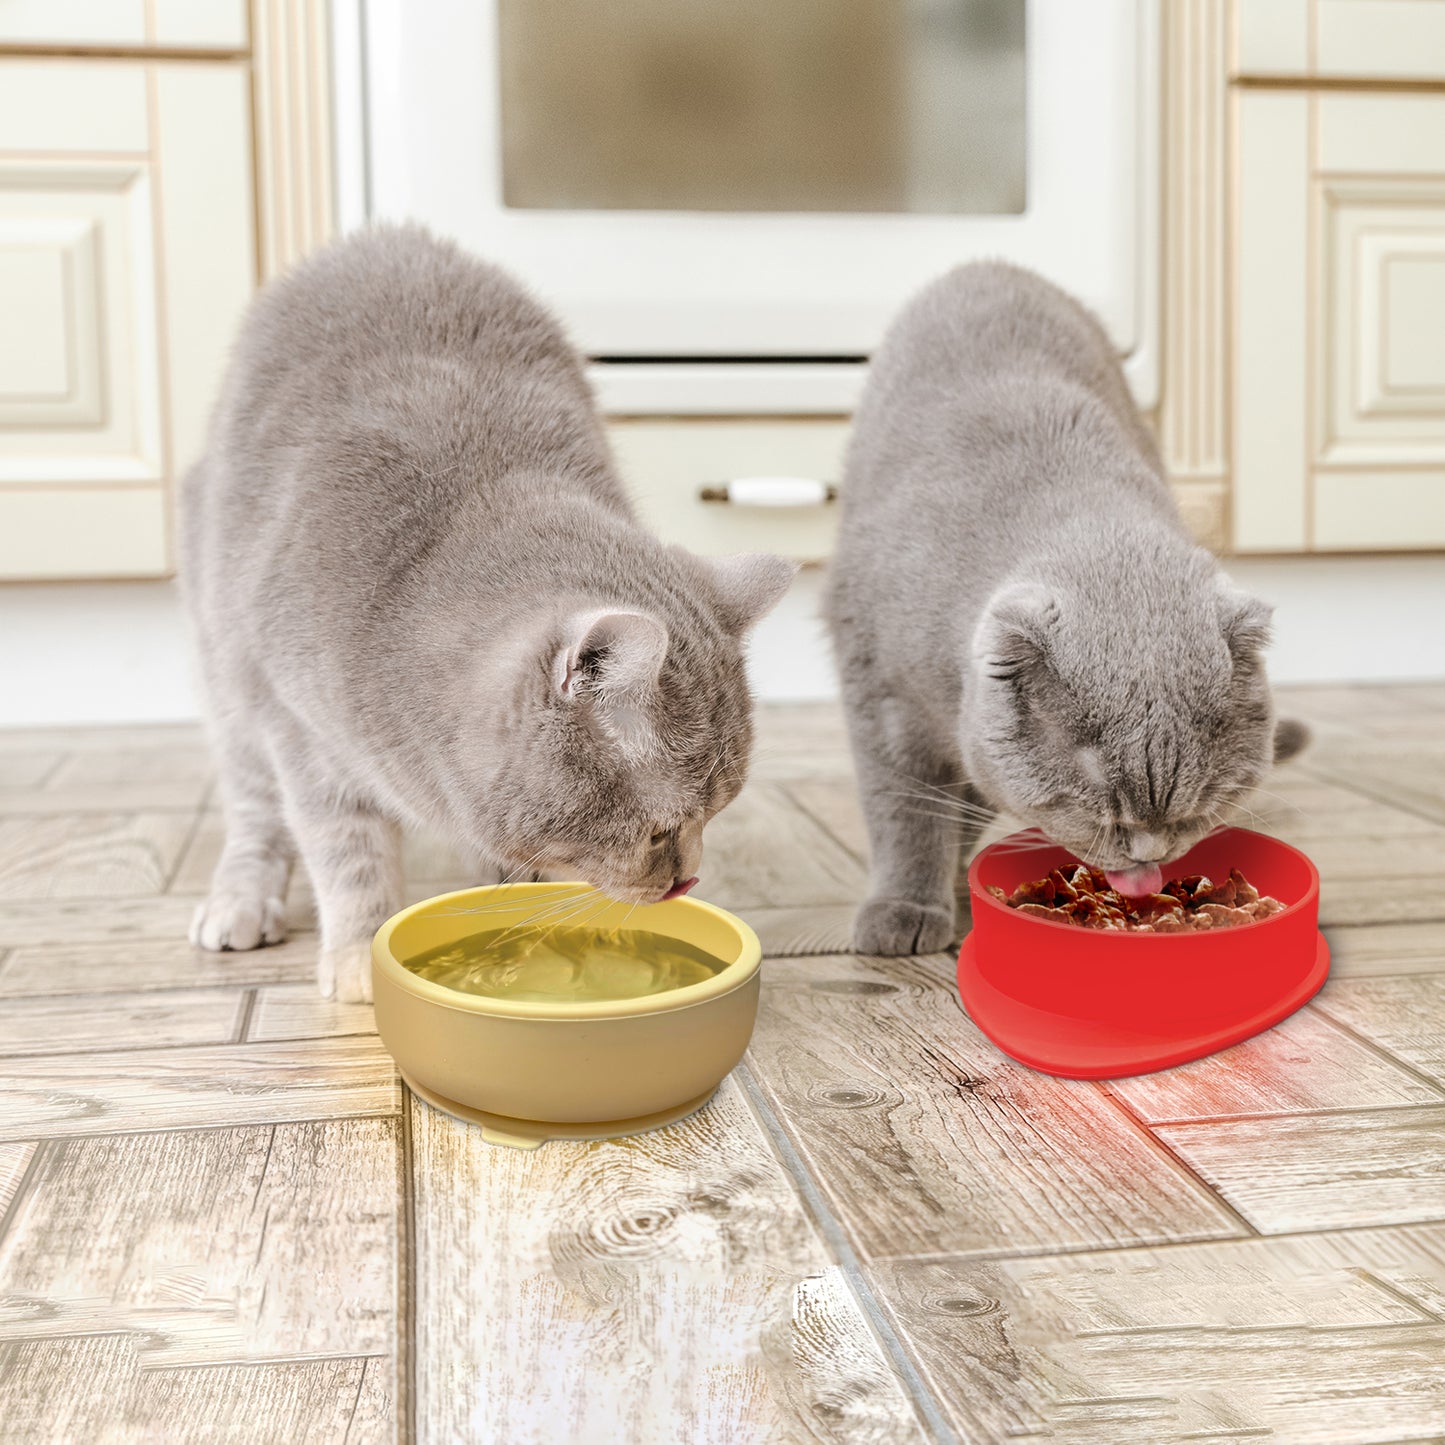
{"x": 679, "y": 889}
{"x": 1136, "y": 882}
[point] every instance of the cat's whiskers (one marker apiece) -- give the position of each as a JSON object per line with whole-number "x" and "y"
{"x": 513, "y": 903}
{"x": 522, "y": 868}
{"x": 957, "y": 806}
{"x": 548, "y": 920}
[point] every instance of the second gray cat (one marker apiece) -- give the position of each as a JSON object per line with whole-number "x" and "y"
{"x": 1021, "y": 621}
{"x": 422, "y": 598}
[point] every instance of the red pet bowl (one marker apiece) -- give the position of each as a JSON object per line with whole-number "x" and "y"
{"x": 1093, "y": 1004}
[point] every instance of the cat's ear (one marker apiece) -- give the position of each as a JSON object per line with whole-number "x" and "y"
{"x": 1245, "y": 621}
{"x": 1015, "y": 634}
{"x": 748, "y": 586}
{"x": 609, "y": 654}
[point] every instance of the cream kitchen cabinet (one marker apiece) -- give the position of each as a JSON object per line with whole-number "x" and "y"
{"x": 127, "y": 252}
{"x": 130, "y": 24}
{"x": 1338, "y": 381}
{"x": 1340, "y": 321}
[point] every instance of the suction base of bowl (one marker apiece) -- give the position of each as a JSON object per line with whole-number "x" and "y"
{"x": 532, "y": 1133}
{"x": 1072, "y": 1048}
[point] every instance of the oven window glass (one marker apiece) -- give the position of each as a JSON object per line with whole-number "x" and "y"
{"x": 763, "y": 105}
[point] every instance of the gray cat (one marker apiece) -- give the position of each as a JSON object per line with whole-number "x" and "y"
{"x": 423, "y": 599}
{"x": 1020, "y": 619}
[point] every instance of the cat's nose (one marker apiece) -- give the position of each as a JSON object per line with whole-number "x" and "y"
{"x": 1148, "y": 848}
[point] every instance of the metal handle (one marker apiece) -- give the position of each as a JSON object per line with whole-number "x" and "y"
{"x": 771, "y": 492}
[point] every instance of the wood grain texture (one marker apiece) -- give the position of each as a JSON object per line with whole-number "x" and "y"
{"x": 1402, "y": 862}
{"x": 14, "y": 1161}
{"x": 1327, "y": 1171}
{"x": 833, "y": 803}
{"x": 97, "y": 1022}
{"x": 91, "y": 855}
{"x": 142, "y": 964}
{"x": 28, "y": 770}
{"x": 91, "y": 1389}
{"x": 212, "y": 1247}
{"x": 196, "y": 1087}
{"x": 1308, "y": 810}
{"x": 1406, "y": 1016}
{"x": 230, "y": 1217}
{"x": 297, "y": 1011}
{"x": 1348, "y": 900}
{"x": 161, "y": 737}
{"x": 787, "y": 932}
{"x": 114, "y": 780}
{"x": 1390, "y": 948}
{"x": 374, "y": 1414}
{"x": 1408, "y": 773}
{"x": 1303, "y": 1064}
{"x": 93, "y": 920}
{"x": 192, "y": 874}
{"x": 762, "y": 852}
{"x": 182, "y": 797}
{"x": 800, "y": 740}
{"x": 1360, "y": 707}
{"x": 662, "y": 1287}
{"x": 1314, "y": 1339}
{"x": 927, "y": 1140}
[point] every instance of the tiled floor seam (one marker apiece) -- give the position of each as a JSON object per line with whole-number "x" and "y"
{"x": 921, "y": 1396}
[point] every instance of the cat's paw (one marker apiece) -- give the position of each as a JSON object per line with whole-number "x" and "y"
{"x": 895, "y": 926}
{"x": 238, "y": 921}
{"x": 345, "y": 973}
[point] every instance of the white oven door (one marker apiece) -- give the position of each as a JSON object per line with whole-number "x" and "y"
{"x": 770, "y": 179}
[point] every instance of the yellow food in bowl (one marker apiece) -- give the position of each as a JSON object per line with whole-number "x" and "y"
{"x": 566, "y": 965}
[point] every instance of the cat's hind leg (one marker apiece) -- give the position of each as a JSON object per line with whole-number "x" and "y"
{"x": 907, "y": 786}
{"x": 246, "y": 905}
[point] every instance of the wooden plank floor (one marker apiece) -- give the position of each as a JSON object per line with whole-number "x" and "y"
{"x": 223, "y": 1219}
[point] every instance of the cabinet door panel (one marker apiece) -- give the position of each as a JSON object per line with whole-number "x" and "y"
{"x": 1341, "y": 39}
{"x": 107, "y": 24}
{"x": 84, "y": 532}
{"x": 201, "y": 23}
{"x": 1384, "y": 272}
{"x": 1360, "y": 511}
{"x": 80, "y": 399}
{"x": 1340, "y": 291}
{"x": 127, "y": 252}
{"x": 73, "y": 22}
{"x": 83, "y": 107}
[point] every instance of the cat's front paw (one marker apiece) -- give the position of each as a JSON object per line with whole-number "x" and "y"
{"x": 345, "y": 973}
{"x": 238, "y": 921}
{"x": 895, "y": 926}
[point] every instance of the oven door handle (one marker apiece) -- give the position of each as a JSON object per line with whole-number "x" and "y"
{"x": 771, "y": 492}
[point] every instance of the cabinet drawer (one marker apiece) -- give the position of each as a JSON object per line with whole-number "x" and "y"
{"x": 667, "y": 465}
{"x": 109, "y": 24}
{"x": 1340, "y": 323}
{"x": 1350, "y": 39}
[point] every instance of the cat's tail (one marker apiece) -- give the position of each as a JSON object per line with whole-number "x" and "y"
{"x": 1291, "y": 737}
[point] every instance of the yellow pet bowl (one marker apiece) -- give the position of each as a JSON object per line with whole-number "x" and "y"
{"x": 528, "y": 1072}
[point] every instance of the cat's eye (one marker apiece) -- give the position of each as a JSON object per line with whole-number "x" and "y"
{"x": 659, "y": 836}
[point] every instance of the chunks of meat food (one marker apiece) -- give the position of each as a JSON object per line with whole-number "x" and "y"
{"x": 1081, "y": 895}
